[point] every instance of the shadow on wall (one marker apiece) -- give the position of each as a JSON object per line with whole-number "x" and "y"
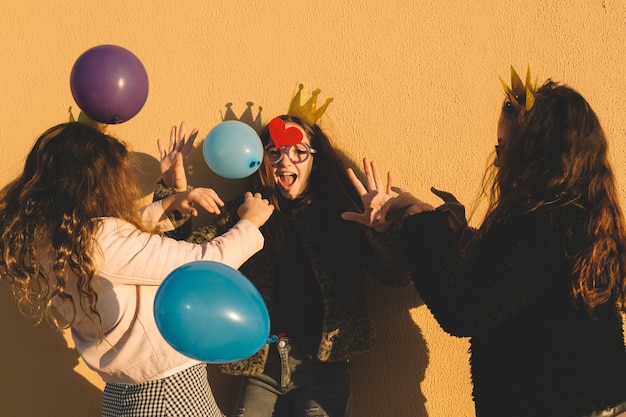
{"x": 146, "y": 168}
{"x": 396, "y": 367}
{"x": 36, "y": 369}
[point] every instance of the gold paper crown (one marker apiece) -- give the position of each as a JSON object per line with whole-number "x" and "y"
{"x": 83, "y": 118}
{"x": 307, "y": 111}
{"x": 246, "y": 117}
{"x": 520, "y": 95}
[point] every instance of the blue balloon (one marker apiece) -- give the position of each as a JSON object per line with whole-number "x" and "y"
{"x": 232, "y": 149}
{"x": 211, "y": 312}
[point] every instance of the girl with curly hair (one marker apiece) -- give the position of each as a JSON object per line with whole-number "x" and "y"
{"x": 77, "y": 252}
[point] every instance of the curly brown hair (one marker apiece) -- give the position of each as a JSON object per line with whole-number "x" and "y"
{"x": 557, "y": 154}
{"x": 73, "y": 175}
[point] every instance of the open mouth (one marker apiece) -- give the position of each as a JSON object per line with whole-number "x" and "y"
{"x": 287, "y": 179}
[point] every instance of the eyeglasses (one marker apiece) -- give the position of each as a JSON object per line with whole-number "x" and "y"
{"x": 297, "y": 153}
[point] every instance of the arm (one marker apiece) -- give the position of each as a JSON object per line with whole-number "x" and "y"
{"x": 184, "y": 201}
{"x": 134, "y": 257}
{"x": 174, "y": 180}
{"x": 512, "y": 266}
{"x": 234, "y": 212}
{"x": 384, "y": 257}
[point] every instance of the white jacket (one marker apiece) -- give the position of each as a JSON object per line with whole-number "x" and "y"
{"x": 130, "y": 266}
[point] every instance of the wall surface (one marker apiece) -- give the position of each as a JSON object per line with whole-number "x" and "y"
{"x": 415, "y": 87}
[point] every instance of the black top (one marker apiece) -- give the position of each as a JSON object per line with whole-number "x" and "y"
{"x": 533, "y": 352}
{"x": 298, "y": 310}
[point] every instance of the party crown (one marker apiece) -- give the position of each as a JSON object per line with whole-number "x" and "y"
{"x": 519, "y": 94}
{"x": 307, "y": 111}
{"x": 246, "y": 117}
{"x": 83, "y": 118}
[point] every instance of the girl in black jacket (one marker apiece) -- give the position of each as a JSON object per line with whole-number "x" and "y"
{"x": 539, "y": 286}
{"x": 311, "y": 272}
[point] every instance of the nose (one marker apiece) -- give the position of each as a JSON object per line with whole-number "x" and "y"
{"x": 284, "y": 161}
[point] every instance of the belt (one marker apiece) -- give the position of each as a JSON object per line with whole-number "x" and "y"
{"x": 276, "y": 337}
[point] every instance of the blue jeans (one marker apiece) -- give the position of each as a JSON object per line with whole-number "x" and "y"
{"x": 294, "y": 384}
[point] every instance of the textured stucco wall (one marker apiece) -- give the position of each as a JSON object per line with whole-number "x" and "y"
{"x": 415, "y": 87}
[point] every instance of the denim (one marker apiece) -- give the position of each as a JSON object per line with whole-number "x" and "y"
{"x": 294, "y": 384}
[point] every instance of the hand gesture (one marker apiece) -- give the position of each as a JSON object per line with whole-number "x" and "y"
{"x": 185, "y": 201}
{"x": 255, "y": 209}
{"x": 405, "y": 204}
{"x": 172, "y": 158}
{"x": 453, "y": 207}
{"x": 373, "y": 197}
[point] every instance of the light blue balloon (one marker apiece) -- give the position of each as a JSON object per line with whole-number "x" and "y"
{"x": 232, "y": 149}
{"x": 211, "y": 312}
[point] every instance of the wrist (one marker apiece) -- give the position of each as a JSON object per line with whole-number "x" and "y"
{"x": 168, "y": 203}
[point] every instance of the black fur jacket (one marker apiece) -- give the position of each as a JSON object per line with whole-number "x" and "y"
{"x": 340, "y": 266}
{"x": 534, "y": 352}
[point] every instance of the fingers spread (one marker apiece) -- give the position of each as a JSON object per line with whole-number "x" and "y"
{"x": 378, "y": 183}
{"x": 161, "y": 148}
{"x": 181, "y": 131}
{"x": 172, "y": 145}
{"x": 358, "y": 185}
{"x": 389, "y": 188}
{"x": 355, "y": 217}
{"x": 369, "y": 176}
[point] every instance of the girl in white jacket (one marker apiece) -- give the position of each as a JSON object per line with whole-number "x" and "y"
{"x": 77, "y": 252}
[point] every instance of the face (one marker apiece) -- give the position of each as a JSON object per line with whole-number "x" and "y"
{"x": 293, "y": 179}
{"x": 504, "y": 133}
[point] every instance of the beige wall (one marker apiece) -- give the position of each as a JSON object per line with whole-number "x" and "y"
{"x": 415, "y": 87}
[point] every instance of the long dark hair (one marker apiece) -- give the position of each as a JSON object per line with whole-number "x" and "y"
{"x": 556, "y": 155}
{"x": 329, "y": 185}
{"x": 73, "y": 175}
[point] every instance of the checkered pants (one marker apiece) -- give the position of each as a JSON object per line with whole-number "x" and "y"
{"x": 185, "y": 394}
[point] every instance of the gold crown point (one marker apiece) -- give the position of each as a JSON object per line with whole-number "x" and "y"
{"x": 318, "y": 113}
{"x": 84, "y": 119}
{"x": 519, "y": 92}
{"x": 307, "y": 111}
{"x": 311, "y": 103}
{"x": 296, "y": 100}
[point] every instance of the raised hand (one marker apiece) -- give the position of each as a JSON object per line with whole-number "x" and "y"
{"x": 173, "y": 156}
{"x": 453, "y": 207}
{"x": 255, "y": 209}
{"x": 373, "y": 197}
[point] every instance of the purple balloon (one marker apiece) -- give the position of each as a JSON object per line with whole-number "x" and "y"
{"x": 109, "y": 84}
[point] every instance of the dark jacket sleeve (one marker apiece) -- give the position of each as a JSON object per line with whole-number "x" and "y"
{"x": 510, "y": 267}
{"x": 384, "y": 257}
{"x": 182, "y": 225}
